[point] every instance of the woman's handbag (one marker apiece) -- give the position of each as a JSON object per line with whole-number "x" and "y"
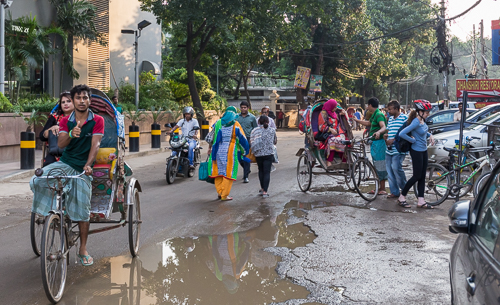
{"x": 54, "y": 149}
{"x": 275, "y": 155}
{"x": 203, "y": 171}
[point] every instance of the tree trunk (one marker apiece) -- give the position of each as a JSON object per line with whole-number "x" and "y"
{"x": 236, "y": 93}
{"x": 245, "y": 84}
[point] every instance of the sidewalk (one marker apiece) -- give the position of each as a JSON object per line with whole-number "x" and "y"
{"x": 11, "y": 170}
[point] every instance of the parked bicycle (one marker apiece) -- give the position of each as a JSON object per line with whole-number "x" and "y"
{"x": 440, "y": 183}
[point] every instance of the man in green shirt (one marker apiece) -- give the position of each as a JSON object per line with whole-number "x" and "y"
{"x": 248, "y": 123}
{"x": 378, "y": 127}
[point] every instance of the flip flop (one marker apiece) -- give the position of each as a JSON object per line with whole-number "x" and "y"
{"x": 88, "y": 258}
{"x": 227, "y": 198}
{"x": 425, "y": 206}
{"x": 372, "y": 192}
{"x": 392, "y": 196}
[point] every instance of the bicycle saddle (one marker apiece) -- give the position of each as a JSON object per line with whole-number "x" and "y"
{"x": 451, "y": 149}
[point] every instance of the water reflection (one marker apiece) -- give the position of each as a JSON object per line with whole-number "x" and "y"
{"x": 225, "y": 269}
{"x": 217, "y": 269}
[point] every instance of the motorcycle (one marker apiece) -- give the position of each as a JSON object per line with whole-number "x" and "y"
{"x": 178, "y": 162}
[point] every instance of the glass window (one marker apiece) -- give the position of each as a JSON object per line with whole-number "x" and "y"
{"x": 443, "y": 118}
{"x": 488, "y": 221}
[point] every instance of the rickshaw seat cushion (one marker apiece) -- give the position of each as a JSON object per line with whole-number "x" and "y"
{"x": 104, "y": 170}
{"x": 106, "y": 155}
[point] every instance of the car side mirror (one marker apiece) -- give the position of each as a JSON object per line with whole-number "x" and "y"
{"x": 459, "y": 217}
{"x": 168, "y": 125}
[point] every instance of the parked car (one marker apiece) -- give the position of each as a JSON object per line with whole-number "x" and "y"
{"x": 447, "y": 139}
{"x": 475, "y": 256}
{"x": 476, "y": 116}
{"x": 454, "y": 105}
{"x": 444, "y": 116}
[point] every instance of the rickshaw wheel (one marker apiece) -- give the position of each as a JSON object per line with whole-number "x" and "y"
{"x": 304, "y": 173}
{"x": 348, "y": 177}
{"x": 365, "y": 179}
{"x": 53, "y": 261}
{"x": 135, "y": 282}
{"x": 36, "y": 232}
{"x": 171, "y": 170}
{"x": 134, "y": 224}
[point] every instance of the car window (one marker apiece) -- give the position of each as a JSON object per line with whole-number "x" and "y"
{"x": 443, "y": 118}
{"x": 488, "y": 220}
{"x": 487, "y": 120}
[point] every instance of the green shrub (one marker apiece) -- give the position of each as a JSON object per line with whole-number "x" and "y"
{"x": 207, "y": 95}
{"x": 5, "y": 105}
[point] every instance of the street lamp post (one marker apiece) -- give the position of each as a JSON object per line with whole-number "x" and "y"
{"x": 217, "y": 58}
{"x": 137, "y": 33}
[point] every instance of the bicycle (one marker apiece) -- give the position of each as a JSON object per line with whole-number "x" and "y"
{"x": 438, "y": 179}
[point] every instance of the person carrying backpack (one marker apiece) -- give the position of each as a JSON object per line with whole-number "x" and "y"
{"x": 394, "y": 158}
{"x": 418, "y": 152}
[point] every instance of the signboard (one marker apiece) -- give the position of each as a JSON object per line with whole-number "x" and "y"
{"x": 316, "y": 81}
{"x": 311, "y": 94}
{"x": 302, "y": 77}
{"x": 495, "y": 42}
{"x": 478, "y": 88}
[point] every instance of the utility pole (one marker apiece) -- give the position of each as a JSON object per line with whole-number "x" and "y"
{"x": 474, "y": 58}
{"x": 444, "y": 50}
{"x": 483, "y": 54}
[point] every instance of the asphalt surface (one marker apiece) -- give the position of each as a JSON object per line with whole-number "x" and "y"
{"x": 331, "y": 246}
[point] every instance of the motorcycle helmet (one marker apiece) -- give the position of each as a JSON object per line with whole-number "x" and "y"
{"x": 188, "y": 109}
{"x": 422, "y": 105}
{"x": 176, "y": 141}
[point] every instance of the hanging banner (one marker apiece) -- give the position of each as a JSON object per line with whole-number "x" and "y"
{"x": 311, "y": 94}
{"x": 495, "y": 42}
{"x": 302, "y": 77}
{"x": 316, "y": 81}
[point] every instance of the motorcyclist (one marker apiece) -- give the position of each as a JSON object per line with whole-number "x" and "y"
{"x": 186, "y": 125}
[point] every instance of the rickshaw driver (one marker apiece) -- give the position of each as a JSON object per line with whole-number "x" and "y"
{"x": 186, "y": 125}
{"x": 81, "y": 134}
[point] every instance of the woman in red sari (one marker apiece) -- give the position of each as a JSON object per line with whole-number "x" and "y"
{"x": 65, "y": 108}
{"x": 330, "y": 122}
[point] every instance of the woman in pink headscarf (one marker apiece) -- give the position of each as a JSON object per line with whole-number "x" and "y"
{"x": 329, "y": 122}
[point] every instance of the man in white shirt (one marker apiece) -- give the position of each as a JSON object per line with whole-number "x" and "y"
{"x": 186, "y": 125}
{"x": 457, "y": 117}
{"x": 265, "y": 111}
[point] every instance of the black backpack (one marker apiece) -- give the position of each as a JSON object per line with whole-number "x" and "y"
{"x": 402, "y": 145}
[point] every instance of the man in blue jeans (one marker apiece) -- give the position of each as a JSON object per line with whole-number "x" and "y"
{"x": 248, "y": 123}
{"x": 394, "y": 159}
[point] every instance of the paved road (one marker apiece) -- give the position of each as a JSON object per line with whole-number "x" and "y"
{"x": 348, "y": 251}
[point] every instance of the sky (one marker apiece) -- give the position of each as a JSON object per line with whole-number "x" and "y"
{"x": 487, "y": 10}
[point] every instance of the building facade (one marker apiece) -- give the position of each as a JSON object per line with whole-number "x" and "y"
{"x": 99, "y": 66}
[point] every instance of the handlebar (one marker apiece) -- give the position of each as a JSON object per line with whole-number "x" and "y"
{"x": 39, "y": 173}
{"x": 349, "y": 142}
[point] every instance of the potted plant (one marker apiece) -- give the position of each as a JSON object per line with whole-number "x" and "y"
{"x": 28, "y": 138}
{"x": 157, "y": 115}
{"x": 133, "y": 130}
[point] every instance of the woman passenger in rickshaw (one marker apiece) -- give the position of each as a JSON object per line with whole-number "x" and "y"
{"x": 329, "y": 122}
{"x": 65, "y": 108}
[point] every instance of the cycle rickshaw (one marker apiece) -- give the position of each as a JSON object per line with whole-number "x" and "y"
{"x": 114, "y": 190}
{"x": 357, "y": 170}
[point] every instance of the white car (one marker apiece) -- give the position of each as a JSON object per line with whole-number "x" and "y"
{"x": 447, "y": 139}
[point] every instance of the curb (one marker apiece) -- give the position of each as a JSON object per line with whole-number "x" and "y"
{"x": 28, "y": 173}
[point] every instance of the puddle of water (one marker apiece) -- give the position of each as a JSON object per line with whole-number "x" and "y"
{"x": 216, "y": 269}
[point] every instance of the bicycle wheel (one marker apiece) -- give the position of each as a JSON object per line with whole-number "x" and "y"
{"x": 135, "y": 282}
{"x": 134, "y": 224}
{"x": 466, "y": 186}
{"x": 437, "y": 186}
{"x": 171, "y": 170}
{"x": 348, "y": 176}
{"x": 54, "y": 260}
{"x": 304, "y": 173}
{"x": 365, "y": 179}
{"x": 36, "y": 232}
{"x": 480, "y": 182}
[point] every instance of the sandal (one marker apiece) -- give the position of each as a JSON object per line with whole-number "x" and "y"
{"x": 392, "y": 196}
{"x": 372, "y": 192}
{"x": 227, "y": 198}
{"x": 88, "y": 258}
{"x": 404, "y": 204}
{"x": 425, "y": 206}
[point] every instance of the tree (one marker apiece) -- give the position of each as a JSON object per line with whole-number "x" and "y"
{"x": 27, "y": 45}
{"x": 196, "y": 21}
